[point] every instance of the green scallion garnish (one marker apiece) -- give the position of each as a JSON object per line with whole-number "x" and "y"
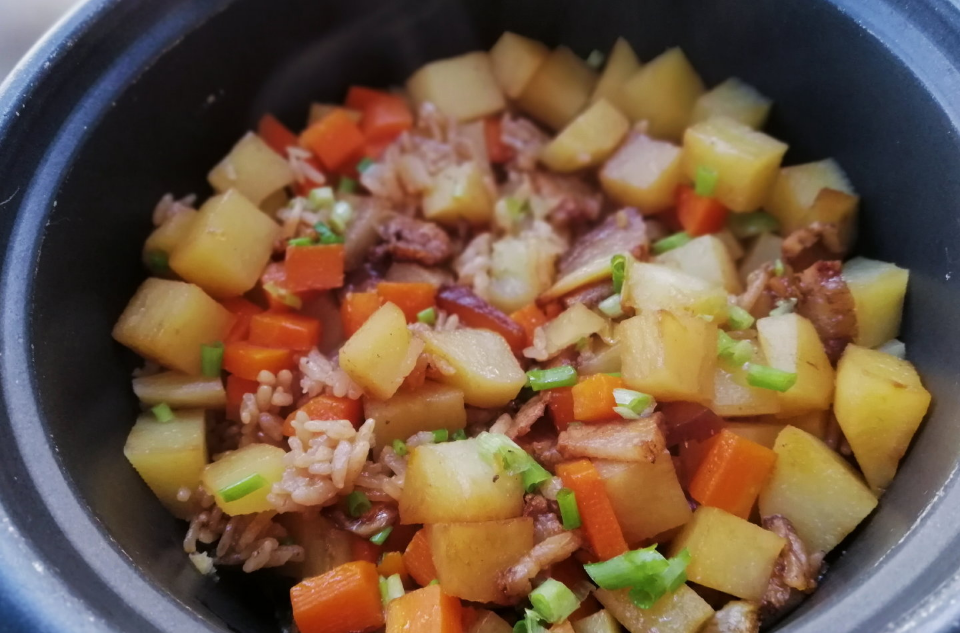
{"x": 645, "y": 572}
{"x": 541, "y": 379}
{"x": 380, "y": 537}
{"x": 433, "y": 582}
{"x": 358, "y": 504}
{"x": 400, "y": 447}
{"x": 321, "y": 198}
{"x": 630, "y": 403}
{"x": 158, "y": 262}
{"x": 784, "y": 306}
{"x": 595, "y": 59}
{"x": 242, "y": 488}
{"x": 732, "y": 350}
{"x": 611, "y": 306}
{"x": 211, "y": 359}
{"x": 516, "y": 207}
{"x": 364, "y": 164}
{"x": 162, "y": 412}
{"x": 771, "y": 378}
{"x": 671, "y": 242}
{"x": 747, "y": 225}
{"x": 618, "y": 269}
{"x": 569, "y": 514}
{"x": 553, "y": 601}
{"x": 459, "y": 434}
{"x": 509, "y": 458}
{"x": 300, "y": 241}
{"x": 615, "y": 374}
{"x": 778, "y": 268}
{"x": 529, "y": 624}
{"x": 705, "y": 181}
{"x": 428, "y": 316}
{"x": 340, "y": 216}
{"x": 325, "y": 235}
{"x": 390, "y": 589}
{"x": 441, "y": 435}
{"x": 533, "y": 476}
{"x": 347, "y": 185}
{"x": 738, "y": 318}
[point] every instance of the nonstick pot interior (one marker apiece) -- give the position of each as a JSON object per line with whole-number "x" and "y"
{"x": 126, "y": 101}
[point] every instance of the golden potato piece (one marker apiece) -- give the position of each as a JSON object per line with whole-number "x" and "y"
{"x": 644, "y": 173}
{"x": 241, "y": 480}
{"x": 682, "y": 611}
{"x": 705, "y": 257}
{"x": 381, "y": 353}
{"x": 431, "y": 407}
{"x": 253, "y": 169}
{"x": 878, "y": 290}
{"x": 588, "y": 140}
{"x": 515, "y": 60}
{"x": 559, "y": 89}
{"x": 663, "y": 93}
{"x": 659, "y": 287}
{"x": 462, "y": 87}
{"x": 790, "y": 343}
{"x": 621, "y": 65}
{"x": 734, "y": 99}
{"x": 459, "y": 193}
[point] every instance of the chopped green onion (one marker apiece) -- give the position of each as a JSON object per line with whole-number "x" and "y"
{"x": 508, "y": 457}
{"x": 784, "y": 306}
{"x": 428, "y": 316}
{"x": 611, "y": 306}
{"x": 615, "y": 374}
{"x": 400, "y": 447}
{"x": 534, "y": 475}
{"x": 778, "y": 268}
{"x": 630, "y": 404}
{"x": 645, "y": 595}
{"x": 705, "y": 181}
{"x": 433, "y": 582}
{"x": 770, "y": 378}
{"x": 529, "y": 624}
{"x": 618, "y": 268}
{"x": 553, "y": 601}
{"x": 516, "y": 207}
{"x": 321, "y": 198}
{"x": 162, "y": 412}
{"x": 459, "y": 434}
{"x": 158, "y": 262}
{"x": 283, "y": 296}
{"x": 211, "y": 359}
{"x": 242, "y": 488}
{"x": 541, "y": 379}
{"x": 441, "y": 435}
{"x": 746, "y": 225}
{"x": 347, "y": 185}
{"x": 380, "y": 537}
{"x": 738, "y": 318}
{"x": 300, "y": 241}
{"x": 595, "y": 59}
{"x": 364, "y": 164}
{"x": 325, "y": 235}
{"x": 390, "y": 589}
{"x": 569, "y": 514}
{"x": 358, "y": 504}
{"x": 645, "y": 571}
{"x": 340, "y": 216}
{"x": 729, "y": 348}
{"x": 671, "y": 242}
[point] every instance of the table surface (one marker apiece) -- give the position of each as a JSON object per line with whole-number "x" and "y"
{"x": 22, "y": 22}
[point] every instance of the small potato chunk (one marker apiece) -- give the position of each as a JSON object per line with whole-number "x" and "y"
{"x": 559, "y": 89}
{"x": 734, "y": 99}
{"x": 600, "y": 622}
{"x": 767, "y": 247}
{"x": 621, "y": 65}
{"x": 663, "y": 93}
{"x": 796, "y": 189}
{"x": 790, "y": 343}
{"x": 459, "y": 193}
{"x": 431, "y": 407}
{"x": 227, "y": 247}
{"x": 254, "y": 468}
{"x": 588, "y": 140}
{"x": 253, "y": 169}
{"x": 451, "y": 482}
{"x": 746, "y": 161}
{"x": 708, "y": 258}
{"x": 806, "y": 469}
{"x": 168, "y": 321}
{"x": 574, "y": 323}
{"x": 682, "y": 611}
{"x": 646, "y": 497}
{"x": 166, "y": 237}
{"x": 462, "y": 87}
{"x": 521, "y": 268}
{"x": 180, "y": 390}
{"x": 469, "y": 556}
{"x": 763, "y": 433}
{"x": 169, "y": 455}
{"x": 659, "y": 287}
{"x": 879, "y": 405}
{"x": 669, "y": 356}
{"x": 644, "y": 173}
{"x": 733, "y": 397}
{"x": 878, "y": 290}
{"x": 515, "y": 59}
{"x": 484, "y": 367}
{"x": 728, "y": 553}
{"x": 381, "y": 353}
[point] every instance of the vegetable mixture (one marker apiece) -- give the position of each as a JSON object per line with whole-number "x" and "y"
{"x": 527, "y": 346}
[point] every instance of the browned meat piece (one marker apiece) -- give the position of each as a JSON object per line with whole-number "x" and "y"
{"x": 810, "y": 244}
{"x": 410, "y": 240}
{"x": 525, "y": 138}
{"x": 737, "y": 616}
{"x": 374, "y": 520}
{"x": 590, "y": 295}
{"x": 514, "y": 581}
{"x": 635, "y": 441}
{"x": 794, "y": 574}
{"x": 546, "y": 522}
{"x": 543, "y": 448}
{"x": 828, "y": 303}
{"x": 622, "y": 232}
{"x": 531, "y": 411}
{"x": 572, "y": 201}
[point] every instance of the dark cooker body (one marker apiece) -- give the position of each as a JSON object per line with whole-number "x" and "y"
{"x": 141, "y": 98}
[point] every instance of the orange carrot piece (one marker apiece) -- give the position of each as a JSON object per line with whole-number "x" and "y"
{"x": 317, "y": 267}
{"x": 475, "y": 312}
{"x": 239, "y": 305}
{"x": 274, "y": 285}
{"x": 426, "y": 610}
{"x": 530, "y": 317}
{"x": 392, "y": 563}
{"x": 560, "y": 403}
{"x": 356, "y": 308}
{"x": 336, "y": 140}
{"x": 285, "y": 330}
{"x": 497, "y": 150}
{"x": 275, "y": 134}
{"x": 236, "y": 388}
{"x": 468, "y": 617}
{"x": 411, "y": 297}
{"x": 373, "y": 149}
{"x": 247, "y": 361}
{"x": 343, "y": 600}
{"x": 359, "y": 97}
{"x": 571, "y": 573}
{"x": 244, "y": 310}
{"x": 593, "y": 398}
{"x": 363, "y": 549}
{"x": 419, "y": 559}
{"x": 699, "y": 215}
{"x": 324, "y": 407}
{"x": 386, "y": 118}
{"x": 596, "y": 512}
{"x": 732, "y": 473}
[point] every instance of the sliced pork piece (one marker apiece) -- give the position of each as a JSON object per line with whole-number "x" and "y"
{"x": 514, "y": 581}
{"x": 624, "y": 231}
{"x": 794, "y": 574}
{"x": 571, "y": 200}
{"x": 810, "y": 244}
{"x": 410, "y": 240}
{"x": 737, "y": 616}
{"x": 828, "y": 303}
{"x": 635, "y": 441}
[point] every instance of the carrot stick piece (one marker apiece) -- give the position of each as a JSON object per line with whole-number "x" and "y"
{"x": 596, "y": 512}
{"x": 419, "y": 559}
{"x": 411, "y": 297}
{"x": 318, "y": 267}
{"x": 336, "y": 139}
{"x": 247, "y": 361}
{"x": 530, "y": 317}
{"x": 392, "y": 563}
{"x": 593, "y": 398}
{"x": 356, "y": 308}
{"x": 560, "y": 403}
{"x": 343, "y": 600}
{"x": 699, "y": 215}
{"x": 732, "y": 473}
{"x": 287, "y": 331}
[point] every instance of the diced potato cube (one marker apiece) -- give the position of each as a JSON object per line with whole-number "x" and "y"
{"x": 796, "y": 188}
{"x": 461, "y": 87}
{"x": 790, "y": 343}
{"x": 669, "y": 356}
{"x": 644, "y": 173}
{"x": 767, "y": 247}
{"x": 559, "y": 89}
{"x": 459, "y": 193}
{"x": 573, "y": 324}
{"x": 730, "y": 241}
{"x": 646, "y": 497}
{"x": 745, "y": 160}
{"x": 515, "y": 59}
{"x": 733, "y": 397}
{"x": 878, "y": 290}
{"x": 470, "y": 556}
{"x": 381, "y": 353}
{"x": 806, "y": 468}
{"x": 433, "y": 406}
{"x": 879, "y": 405}
{"x": 489, "y": 622}
{"x": 601, "y": 359}
{"x": 621, "y": 65}
{"x": 251, "y": 472}
{"x": 227, "y": 246}
{"x": 181, "y": 391}
{"x": 763, "y": 433}
{"x": 521, "y": 268}
{"x": 451, "y": 482}
{"x": 253, "y": 169}
{"x": 728, "y": 553}
{"x": 682, "y": 611}
{"x": 659, "y": 287}
{"x": 663, "y": 93}
{"x": 600, "y": 622}
{"x": 169, "y": 455}
{"x": 705, "y": 257}
{"x": 734, "y": 99}
{"x": 484, "y": 367}
{"x": 588, "y": 140}
{"x": 168, "y": 321}
{"x": 839, "y": 208}
{"x": 166, "y": 237}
